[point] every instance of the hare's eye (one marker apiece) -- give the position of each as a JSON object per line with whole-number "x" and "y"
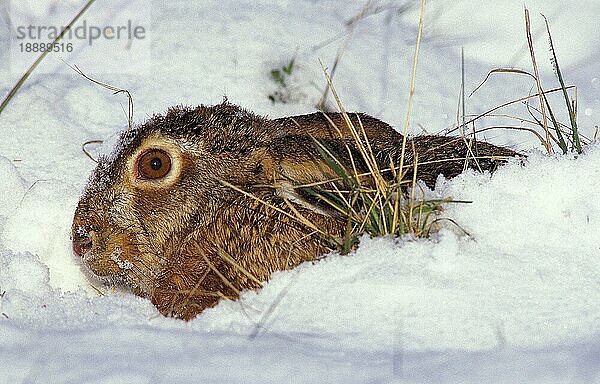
{"x": 153, "y": 164}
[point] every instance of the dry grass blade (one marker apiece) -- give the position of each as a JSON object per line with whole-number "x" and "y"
{"x": 413, "y": 189}
{"x": 195, "y": 290}
{"x": 98, "y": 290}
{"x": 503, "y": 105}
{"x": 473, "y": 139}
{"x": 493, "y": 157}
{"x": 515, "y": 128}
{"x": 300, "y": 219}
{"x": 115, "y": 90}
{"x": 500, "y": 70}
{"x": 451, "y": 221}
{"x": 462, "y": 88}
{"x": 537, "y": 81}
{"x": 41, "y": 57}
{"x": 230, "y": 260}
{"x": 223, "y": 278}
{"x": 411, "y": 94}
{"x": 83, "y": 148}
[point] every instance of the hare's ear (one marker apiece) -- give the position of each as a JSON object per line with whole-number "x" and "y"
{"x": 298, "y": 161}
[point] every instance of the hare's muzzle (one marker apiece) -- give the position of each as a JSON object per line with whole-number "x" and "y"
{"x": 82, "y": 242}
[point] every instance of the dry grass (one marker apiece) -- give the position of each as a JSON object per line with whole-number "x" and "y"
{"x": 541, "y": 119}
{"x": 41, "y": 57}
{"x": 115, "y": 91}
{"x": 368, "y": 201}
{"x": 377, "y": 202}
{"x": 367, "y": 198}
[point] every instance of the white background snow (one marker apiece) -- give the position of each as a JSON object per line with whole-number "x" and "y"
{"x": 516, "y": 301}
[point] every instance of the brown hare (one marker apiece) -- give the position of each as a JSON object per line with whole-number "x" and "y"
{"x": 158, "y": 217}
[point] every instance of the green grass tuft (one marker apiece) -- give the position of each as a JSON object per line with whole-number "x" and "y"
{"x": 573, "y": 119}
{"x": 370, "y": 203}
{"x": 280, "y": 76}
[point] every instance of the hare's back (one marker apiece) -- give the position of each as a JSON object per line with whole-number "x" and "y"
{"x": 331, "y": 125}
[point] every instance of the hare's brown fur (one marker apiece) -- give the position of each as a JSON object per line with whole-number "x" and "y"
{"x": 187, "y": 239}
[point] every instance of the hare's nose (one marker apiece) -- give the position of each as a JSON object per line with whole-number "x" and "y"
{"x": 82, "y": 242}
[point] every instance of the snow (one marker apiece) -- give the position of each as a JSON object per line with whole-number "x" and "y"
{"x": 510, "y": 296}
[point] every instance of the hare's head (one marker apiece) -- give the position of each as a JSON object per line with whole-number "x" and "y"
{"x": 163, "y": 180}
